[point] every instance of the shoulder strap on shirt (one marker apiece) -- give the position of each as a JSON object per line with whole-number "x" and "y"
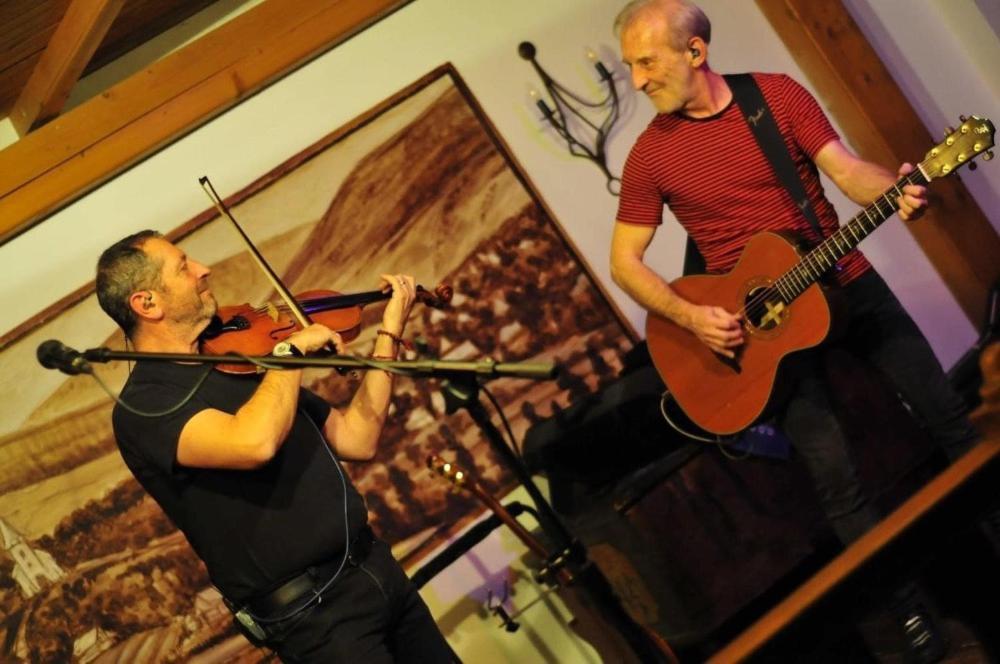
{"x": 762, "y": 125}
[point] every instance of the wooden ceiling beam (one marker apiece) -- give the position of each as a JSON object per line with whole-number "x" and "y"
{"x": 881, "y": 124}
{"x": 69, "y": 50}
{"x": 87, "y": 146}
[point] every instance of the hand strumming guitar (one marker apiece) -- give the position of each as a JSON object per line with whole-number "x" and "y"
{"x": 715, "y": 327}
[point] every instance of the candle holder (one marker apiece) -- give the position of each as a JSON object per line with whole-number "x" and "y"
{"x": 566, "y": 105}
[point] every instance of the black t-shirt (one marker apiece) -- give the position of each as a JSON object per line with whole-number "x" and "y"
{"x": 254, "y": 529}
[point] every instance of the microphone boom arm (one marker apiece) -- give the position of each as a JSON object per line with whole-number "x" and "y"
{"x": 78, "y": 362}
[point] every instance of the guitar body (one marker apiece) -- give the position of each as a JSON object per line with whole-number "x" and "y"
{"x": 725, "y": 396}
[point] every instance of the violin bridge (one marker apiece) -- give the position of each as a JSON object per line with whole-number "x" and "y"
{"x": 273, "y": 312}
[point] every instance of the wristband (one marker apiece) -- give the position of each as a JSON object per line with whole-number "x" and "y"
{"x": 395, "y": 337}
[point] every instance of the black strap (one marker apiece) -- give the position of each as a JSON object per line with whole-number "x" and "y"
{"x": 759, "y": 118}
{"x": 694, "y": 262}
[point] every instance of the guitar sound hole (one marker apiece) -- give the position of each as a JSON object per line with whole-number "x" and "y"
{"x": 764, "y": 308}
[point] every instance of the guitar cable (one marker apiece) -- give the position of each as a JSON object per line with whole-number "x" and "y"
{"x": 719, "y": 441}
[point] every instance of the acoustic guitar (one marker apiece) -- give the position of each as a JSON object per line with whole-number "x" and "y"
{"x": 775, "y": 286}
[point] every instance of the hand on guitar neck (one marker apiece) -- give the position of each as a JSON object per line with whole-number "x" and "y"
{"x": 913, "y": 203}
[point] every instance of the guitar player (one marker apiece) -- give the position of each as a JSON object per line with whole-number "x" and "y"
{"x": 700, "y": 157}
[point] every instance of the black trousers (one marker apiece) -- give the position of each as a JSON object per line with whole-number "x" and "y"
{"x": 372, "y": 613}
{"x": 881, "y": 332}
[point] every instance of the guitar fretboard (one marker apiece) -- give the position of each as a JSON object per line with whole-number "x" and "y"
{"x": 824, "y": 257}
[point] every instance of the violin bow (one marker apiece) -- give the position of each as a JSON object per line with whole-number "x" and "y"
{"x": 300, "y": 316}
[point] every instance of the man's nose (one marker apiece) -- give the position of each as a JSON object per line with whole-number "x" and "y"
{"x": 201, "y": 270}
{"x": 639, "y": 79}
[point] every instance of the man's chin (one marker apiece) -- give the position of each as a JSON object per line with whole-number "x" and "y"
{"x": 211, "y": 304}
{"x": 664, "y": 106}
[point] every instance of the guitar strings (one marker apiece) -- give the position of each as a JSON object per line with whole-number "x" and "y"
{"x": 765, "y": 295}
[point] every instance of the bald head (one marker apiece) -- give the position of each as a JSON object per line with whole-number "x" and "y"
{"x": 683, "y": 20}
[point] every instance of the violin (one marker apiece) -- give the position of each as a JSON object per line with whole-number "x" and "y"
{"x": 253, "y": 331}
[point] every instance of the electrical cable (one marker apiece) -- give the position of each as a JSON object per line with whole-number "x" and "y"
{"x": 316, "y": 597}
{"x": 503, "y": 418}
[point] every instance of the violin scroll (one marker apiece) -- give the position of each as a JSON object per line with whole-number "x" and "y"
{"x": 440, "y": 298}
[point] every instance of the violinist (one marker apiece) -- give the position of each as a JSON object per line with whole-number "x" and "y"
{"x": 248, "y": 468}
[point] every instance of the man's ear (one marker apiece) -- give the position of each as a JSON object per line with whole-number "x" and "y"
{"x": 144, "y": 304}
{"x": 697, "y": 51}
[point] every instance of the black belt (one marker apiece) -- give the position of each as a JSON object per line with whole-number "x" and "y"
{"x": 296, "y": 588}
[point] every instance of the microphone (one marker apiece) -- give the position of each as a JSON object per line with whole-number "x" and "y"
{"x": 54, "y": 354}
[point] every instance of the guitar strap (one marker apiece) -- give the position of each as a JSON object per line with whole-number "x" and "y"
{"x": 759, "y": 118}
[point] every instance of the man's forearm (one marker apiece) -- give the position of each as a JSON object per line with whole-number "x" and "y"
{"x": 268, "y": 415}
{"x": 866, "y": 182}
{"x": 355, "y": 434}
{"x": 652, "y": 292}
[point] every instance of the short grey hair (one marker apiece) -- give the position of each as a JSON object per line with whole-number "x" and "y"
{"x": 123, "y": 269}
{"x": 684, "y": 20}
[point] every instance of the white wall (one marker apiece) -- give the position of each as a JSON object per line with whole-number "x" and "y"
{"x": 480, "y": 37}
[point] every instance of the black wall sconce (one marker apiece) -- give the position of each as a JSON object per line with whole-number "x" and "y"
{"x": 565, "y": 117}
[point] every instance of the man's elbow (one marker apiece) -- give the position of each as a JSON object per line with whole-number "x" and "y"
{"x": 618, "y": 272}
{"x": 353, "y": 444}
{"x": 364, "y": 450}
{"x": 367, "y": 454}
{"x": 258, "y": 452}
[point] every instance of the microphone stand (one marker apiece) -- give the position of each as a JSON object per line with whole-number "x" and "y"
{"x": 485, "y": 369}
{"x": 462, "y": 391}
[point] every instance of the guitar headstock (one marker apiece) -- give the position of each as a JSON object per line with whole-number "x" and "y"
{"x": 973, "y": 138}
{"x": 448, "y": 470}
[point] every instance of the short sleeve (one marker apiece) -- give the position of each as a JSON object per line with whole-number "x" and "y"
{"x": 640, "y": 200}
{"x": 314, "y": 406}
{"x": 154, "y": 439}
{"x": 811, "y": 128}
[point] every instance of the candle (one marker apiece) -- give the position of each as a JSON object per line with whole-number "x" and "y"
{"x": 540, "y": 103}
{"x": 602, "y": 71}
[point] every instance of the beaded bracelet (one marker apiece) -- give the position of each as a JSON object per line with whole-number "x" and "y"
{"x": 396, "y": 338}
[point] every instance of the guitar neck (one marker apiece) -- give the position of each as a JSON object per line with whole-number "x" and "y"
{"x": 824, "y": 257}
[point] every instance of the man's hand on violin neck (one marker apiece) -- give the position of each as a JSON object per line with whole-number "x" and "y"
{"x": 315, "y": 337}
{"x": 404, "y": 291}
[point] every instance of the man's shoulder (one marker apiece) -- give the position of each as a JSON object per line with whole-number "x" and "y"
{"x": 660, "y": 127}
{"x": 779, "y": 84}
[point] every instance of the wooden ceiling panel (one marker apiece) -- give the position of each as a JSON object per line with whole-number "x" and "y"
{"x": 25, "y": 29}
{"x": 138, "y": 22}
{"x": 13, "y": 78}
{"x": 26, "y": 26}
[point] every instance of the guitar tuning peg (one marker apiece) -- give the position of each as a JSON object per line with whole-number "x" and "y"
{"x": 987, "y": 155}
{"x": 962, "y": 118}
{"x": 948, "y": 131}
{"x": 973, "y": 166}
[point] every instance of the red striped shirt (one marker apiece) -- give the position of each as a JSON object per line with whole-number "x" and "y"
{"x": 720, "y": 186}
